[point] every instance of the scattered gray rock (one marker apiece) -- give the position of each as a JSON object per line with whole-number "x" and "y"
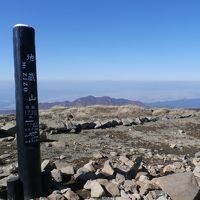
{"x": 5, "y": 156}
{"x": 73, "y": 126}
{"x": 112, "y": 189}
{"x": 70, "y": 195}
{"x": 107, "y": 169}
{"x": 90, "y": 166}
{"x": 87, "y": 125}
{"x": 98, "y": 155}
{"x": 119, "y": 178}
{"x": 129, "y": 185}
{"x": 179, "y": 186}
{"x": 3, "y": 182}
{"x": 87, "y": 185}
{"x": 144, "y": 119}
{"x": 158, "y": 195}
{"x": 106, "y": 124}
{"x": 102, "y": 181}
{"x": 83, "y": 175}
{"x": 173, "y": 146}
{"x": 48, "y": 165}
{"x": 113, "y": 153}
{"x": 62, "y": 157}
{"x": 181, "y": 131}
{"x": 56, "y": 196}
{"x": 69, "y": 170}
{"x": 185, "y": 116}
{"x": 97, "y": 124}
{"x": 127, "y": 122}
{"x": 10, "y": 128}
{"x": 7, "y": 139}
{"x": 116, "y": 122}
{"x": 123, "y": 159}
{"x": 137, "y": 121}
{"x": 56, "y": 175}
{"x": 96, "y": 190}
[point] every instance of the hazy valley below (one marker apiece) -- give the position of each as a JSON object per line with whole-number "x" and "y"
{"x": 178, "y": 94}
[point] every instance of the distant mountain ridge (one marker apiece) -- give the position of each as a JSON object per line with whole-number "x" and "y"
{"x": 91, "y": 100}
{"x": 106, "y": 100}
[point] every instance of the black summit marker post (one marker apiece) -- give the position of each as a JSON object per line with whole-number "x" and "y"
{"x": 27, "y": 111}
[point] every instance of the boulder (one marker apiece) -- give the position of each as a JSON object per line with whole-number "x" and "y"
{"x": 144, "y": 119}
{"x": 187, "y": 115}
{"x": 98, "y": 155}
{"x": 56, "y": 175}
{"x": 102, "y": 181}
{"x": 87, "y": 125}
{"x": 97, "y": 124}
{"x": 116, "y": 122}
{"x": 69, "y": 170}
{"x": 123, "y": 159}
{"x": 137, "y": 121}
{"x": 7, "y": 139}
{"x": 3, "y": 182}
{"x": 47, "y": 165}
{"x": 182, "y": 186}
{"x": 96, "y": 190}
{"x": 112, "y": 189}
{"x": 90, "y": 166}
{"x": 119, "y": 178}
{"x": 106, "y": 124}
{"x": 62, "y": 157}
{"x": 87, "y": 185}
{"x": 83, "y": 175}
{"x": 56, "y": 196}
{"x": 10, "y": 128}
{"x": 73, "y": 126}
{"x": 129, "y": 185}
{"x": 124, "y": 196}
{"x": 70, "y": 195}
{"x": 5, "y": 156}
{"x": 113, "y": 153}
{"x": 157, "y": 194}
{"x": 107, "y": 169}
{"x": 127, "y": 122}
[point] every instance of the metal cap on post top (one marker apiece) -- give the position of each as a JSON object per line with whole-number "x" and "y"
{"x": 27, "y": 110}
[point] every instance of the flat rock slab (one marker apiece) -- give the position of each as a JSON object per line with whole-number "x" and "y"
{"x": 3, "y": 182}
{"x": 181, "y": 186}
{"x": 10, "y": 128}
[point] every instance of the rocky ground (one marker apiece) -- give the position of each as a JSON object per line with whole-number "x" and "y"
{"x": 112, "y": 152}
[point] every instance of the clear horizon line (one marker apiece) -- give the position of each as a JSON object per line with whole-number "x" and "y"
{"x": 164, "y": 80}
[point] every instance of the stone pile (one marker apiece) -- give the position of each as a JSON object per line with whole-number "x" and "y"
{"x": 114, "y": 176}
{"x": 116, "y": 170}
{"x": 59, "y": 126}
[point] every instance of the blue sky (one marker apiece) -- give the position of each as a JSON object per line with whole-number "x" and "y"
{"x": 106, "y": 39}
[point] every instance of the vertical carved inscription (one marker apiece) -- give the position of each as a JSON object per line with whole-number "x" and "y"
{"x": 30, "y": 98}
